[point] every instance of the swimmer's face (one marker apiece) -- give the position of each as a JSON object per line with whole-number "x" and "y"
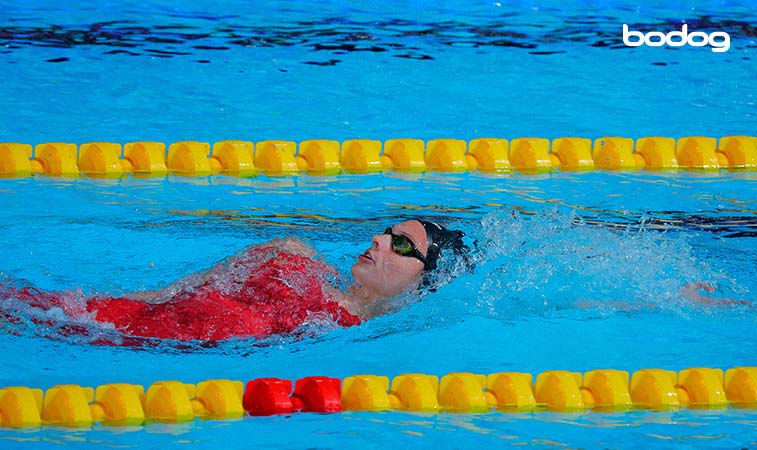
{"x": 382, "y": 271}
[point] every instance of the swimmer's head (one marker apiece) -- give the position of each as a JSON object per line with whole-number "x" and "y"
{"x": 402, "y": 256}
{"x": 438, "y": 239}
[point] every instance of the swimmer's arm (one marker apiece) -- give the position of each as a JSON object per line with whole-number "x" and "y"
{"x": 693, "y": 293}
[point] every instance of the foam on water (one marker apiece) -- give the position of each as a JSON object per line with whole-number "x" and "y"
{"x": 553, "y": 264}
{"x": 555, "y": 261}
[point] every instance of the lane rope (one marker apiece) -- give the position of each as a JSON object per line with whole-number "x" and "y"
{"x": 327, "y": 157}
{"x": 121, "y": 404}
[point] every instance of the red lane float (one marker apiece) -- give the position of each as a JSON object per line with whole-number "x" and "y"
{"x": 270, "y": 396}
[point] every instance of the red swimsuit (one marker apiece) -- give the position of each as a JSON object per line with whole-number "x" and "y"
{"x": 280, "y": 293}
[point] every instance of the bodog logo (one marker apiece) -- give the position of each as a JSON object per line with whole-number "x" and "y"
{"x": 720, "y": 41}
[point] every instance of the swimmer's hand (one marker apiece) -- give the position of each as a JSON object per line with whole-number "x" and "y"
{"x": 693, "y": 293}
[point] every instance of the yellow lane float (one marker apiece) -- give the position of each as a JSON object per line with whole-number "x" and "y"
{"x": 324, "y": 157}
{"x": 171, "y": 401}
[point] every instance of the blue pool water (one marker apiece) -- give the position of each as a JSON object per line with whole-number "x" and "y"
{"x": 574, "y": 271}
{"x": 521, "y": 310}
{"x": 168, "y": 71}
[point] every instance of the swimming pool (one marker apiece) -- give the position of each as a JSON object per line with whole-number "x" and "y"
{"x": 587, "y": 244}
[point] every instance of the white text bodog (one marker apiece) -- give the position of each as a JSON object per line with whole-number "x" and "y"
{"x": 719, "y": 41}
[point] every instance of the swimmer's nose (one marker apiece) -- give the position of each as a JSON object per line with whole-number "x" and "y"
{"x": 381, "y": 241}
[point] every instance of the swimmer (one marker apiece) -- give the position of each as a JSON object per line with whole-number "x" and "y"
{"x": 269, "y": 289}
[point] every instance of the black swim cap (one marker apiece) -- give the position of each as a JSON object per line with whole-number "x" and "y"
{"x": 440, "y": 238}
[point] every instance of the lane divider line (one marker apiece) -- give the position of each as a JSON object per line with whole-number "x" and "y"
{"x": 358, "y": 156}
{"x": 171, "y": 401}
